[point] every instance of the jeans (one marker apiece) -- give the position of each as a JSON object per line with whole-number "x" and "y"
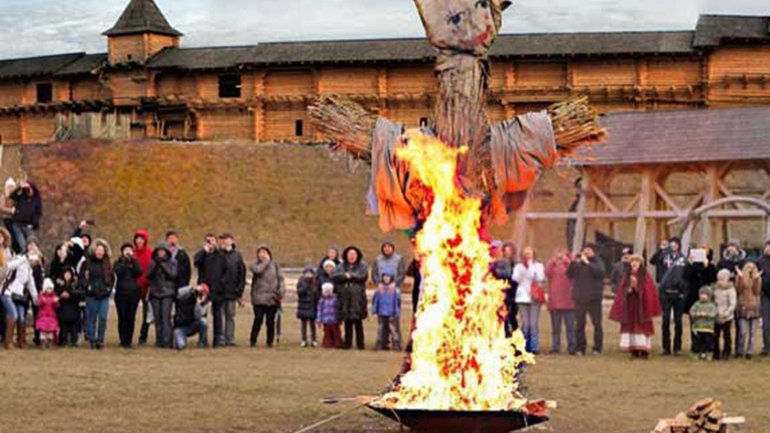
{"x": 723, "y": 332}
{"x": 263, "y": 313}
{"x": 11, "y": 309}
{"x": 161, "y": 309}
{"x": 350, "y": 327}
{"x": 231, "y": 307}
{"x": 384, "y": 333}
{"x": 308, "y": 323}
{"x": 181, "y": 333}
{"x": 672, "y": 305}
{"x": 592, "y": 309}
{"x": 21, "y": 234}
{"x": 530, "y": 325}
{"x": 96, "y": 310}
{"x": 126, "y": 307}
{"x": 747, "y": 330}
{"x": 144, "y": 330}
{"x": 567, "y": 317}
{"x": 218, "y": 317}
{"x": 766, "y": 324}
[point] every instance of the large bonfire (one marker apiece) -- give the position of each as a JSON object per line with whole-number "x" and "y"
{"x": 461, "y": 358}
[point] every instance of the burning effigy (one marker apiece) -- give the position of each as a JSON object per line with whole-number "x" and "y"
{"x": 446, "y": 182}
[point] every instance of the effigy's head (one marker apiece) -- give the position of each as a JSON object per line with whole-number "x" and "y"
{"x": 468, "y": 26}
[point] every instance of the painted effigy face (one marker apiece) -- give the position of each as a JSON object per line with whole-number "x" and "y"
{"x": 469, "y": 26}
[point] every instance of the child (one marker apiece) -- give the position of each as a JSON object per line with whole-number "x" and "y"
{"x": 726, "y": 300}
{"x": 46, "y": 322}
{"x": 307, "y": 305}
{"x": 749, "y": 288}
{"x": 385, "y": 306}
{"x": 327, "y": 316}
{"x": 703, "y": 315}
{"x": 70, "y": 295}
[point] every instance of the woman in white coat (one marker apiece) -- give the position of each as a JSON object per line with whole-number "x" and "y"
{"x": 530, "y": 275}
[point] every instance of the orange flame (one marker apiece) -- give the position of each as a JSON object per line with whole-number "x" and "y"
{"x": 461, "y": 358}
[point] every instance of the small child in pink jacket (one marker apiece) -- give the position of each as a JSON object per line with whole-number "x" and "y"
{"x": 47, "y": 323}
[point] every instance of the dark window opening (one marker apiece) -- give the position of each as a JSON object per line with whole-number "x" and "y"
{"x": 44, "y": 92}
{"x": 230, "y": 86}
{"x": 423, "y": 122}
{"x": 299, "y": 128}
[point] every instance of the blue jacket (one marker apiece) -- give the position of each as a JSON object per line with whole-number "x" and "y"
{"x": 386, "y": 303}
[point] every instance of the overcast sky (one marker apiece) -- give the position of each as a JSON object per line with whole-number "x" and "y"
{"x": 35, "y": 27}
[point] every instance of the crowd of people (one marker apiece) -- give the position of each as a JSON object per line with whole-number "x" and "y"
{"x": 70, "y": 297}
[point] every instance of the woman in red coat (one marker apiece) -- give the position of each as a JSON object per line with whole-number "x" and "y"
{"x": 636, "y": 304}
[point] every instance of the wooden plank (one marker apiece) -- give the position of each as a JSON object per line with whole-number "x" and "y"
{"x": 710, "y": 194}
{"x": 664, "y": 195}
{"x": 580, "y": 224}
{"x": 603, "y": 197}
{"x": 645, "y": 197}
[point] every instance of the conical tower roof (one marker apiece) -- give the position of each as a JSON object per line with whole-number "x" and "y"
{"x": 142, "y": 16}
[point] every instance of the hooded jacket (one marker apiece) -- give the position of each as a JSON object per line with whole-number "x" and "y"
{"x": 232, "y": 281}
{"x": 703, "y": 314}
{"x": 22, "y": 283}
{"x": 394, "y": 262}
{"x": 69, "y": 309}
{"x": 267, "y": 283}
{"x": 144, "y": 257}
{"x": 211, "y": 268}
{"x": 307, "y": 295}
{"x": 162, "y": 274}
{"x": 726, "y": 300}
{"x": 350, "y": 285}
{"x": 387, "y": 298}
{"x": 29, "y": 209}
{"x": 97, "y": 277}
{"x": 183, "y": 267}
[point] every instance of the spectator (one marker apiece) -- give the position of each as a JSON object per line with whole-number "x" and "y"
{"x": 143, "y": 254}
{"x": 413, "y": 272}
{"x": 725, "y": 298}
{"x": 307, "y": 306}
{"x": 60, "y": 262}
{"x": 733, "y": 258}
{"x": 96, "y": 280}
{"x": 386, "y": 307}
{"x": 232, "y": 284}
{"x": 70, "y": 295}
{"x": 37, "y": 262}
{"x": 128, "y": 272}
{"x": 390, "y": 259}
{"x": 530, "y": 275}
{"x": 501, "y": 269}
{"x": 620, "y": 269}
{"x": 333, "y": 254}
{"x": 696, "y": 275}
{"x": 587, "y": 272}
{"x": 673, "y": 291}
{"x": 179, "y": 255}
{"x": 267, "y": 291}
{"x": 749, "y": 288}
{"x": 16, "y": 297}
{"x": 636, "y": 304}
{"x": 209, "y": 264}
{"x": 704, "y": 313}
{"x": 163, "y": 279}
{"x": 191, "y": 310}
{"x": 46, "y": 322}
{"x": 560, "y": 302}
{"x": 327, "y": 315}
{"x": 764, "y": 267}
{"x": 28, "y": 209}
{"x": 5, "y": 256}
{"x": 350, "y": 282}
{"x": 512, "y": 323}
{"x": 670, "y": 252}
{"x": 7, "y": 210}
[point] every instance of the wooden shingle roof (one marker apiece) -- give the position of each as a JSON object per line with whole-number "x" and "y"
{"x": 683, "y": 136}
{"x": 84, "y": 65}
{"x": 713, "y": 30}
{"x": 142, "y": 16}
{"x": 36, "y": 66}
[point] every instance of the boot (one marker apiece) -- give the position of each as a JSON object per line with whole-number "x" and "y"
{"x": 22, "y": 335}
{"x": 9, "y": 324}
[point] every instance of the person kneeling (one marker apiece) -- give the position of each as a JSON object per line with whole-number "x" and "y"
{"x": 191, "y": 310}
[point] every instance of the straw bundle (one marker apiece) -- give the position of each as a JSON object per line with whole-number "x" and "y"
{"x": 345, "y": 123}
{"x": 575, "y": 124}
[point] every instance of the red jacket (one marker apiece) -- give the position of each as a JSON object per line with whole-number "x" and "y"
{"x": 649, "y": 304}
{"x": 559, "y": 285}
{"x": 144, "y": 257}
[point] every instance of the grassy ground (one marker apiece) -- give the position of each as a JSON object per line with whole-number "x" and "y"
{"x": 261, "y": 390}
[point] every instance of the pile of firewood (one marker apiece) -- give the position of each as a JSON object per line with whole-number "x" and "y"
{"x": 705, "y": 416}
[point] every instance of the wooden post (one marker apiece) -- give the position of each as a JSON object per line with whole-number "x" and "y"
{"x": 645, "y": 199}
{"x": 580, "y": 222}
{"x": 710, "y": 194}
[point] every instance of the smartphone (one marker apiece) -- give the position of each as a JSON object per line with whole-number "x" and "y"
{"x": 91, "y": 222}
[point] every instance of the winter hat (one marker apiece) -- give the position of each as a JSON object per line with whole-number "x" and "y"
{"x": 724, "y": 275}
{"x": 48, "y": 285}
{"x": 706, "y": 290}
{"x": 388, "y": 272}
{"x": 203, "y": 288}
{"x": 124, "y": 246}
{"x": 308, "y": 270}
{"x": 327, "y": 289}
{"x": 329, "y": 262}
{"x": 497, "y": 243}
{"x": 10, "y": 183}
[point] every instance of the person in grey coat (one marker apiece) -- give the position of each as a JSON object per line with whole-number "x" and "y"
{"x": 350, "y": 285}
{"x": 267, "y": 290}
{"x": 390, "y": 259}
{"x": 162, "y": 275}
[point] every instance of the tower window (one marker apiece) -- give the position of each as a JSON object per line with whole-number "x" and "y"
{"x": 230, "y": 86}
{"x": 299, "y": 128}
{"x": 44, "y": 92}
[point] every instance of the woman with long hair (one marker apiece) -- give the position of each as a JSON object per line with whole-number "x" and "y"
{"x": 97, "y": 280}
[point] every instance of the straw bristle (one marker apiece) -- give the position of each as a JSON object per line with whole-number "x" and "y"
{"x": 346, "y": 124}
{"x": 575, "y": 124}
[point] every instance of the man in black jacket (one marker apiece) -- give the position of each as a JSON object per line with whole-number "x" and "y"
{"x": 588, "y": 271}
{"x": 28, "y": 210}
{"x": 233, "y": 283}
{"x": 764, "y": 266}
{"x": 673, "y": 295}
{"x": 669, "y": 253}
{"x": 210, "y": 264}
{"x": 179, "y": 255}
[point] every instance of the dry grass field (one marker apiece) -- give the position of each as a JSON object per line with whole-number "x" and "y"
{"x": 279, "y": 390}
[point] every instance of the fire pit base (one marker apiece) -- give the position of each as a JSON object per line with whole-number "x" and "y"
{"x": 436, "y": 421}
